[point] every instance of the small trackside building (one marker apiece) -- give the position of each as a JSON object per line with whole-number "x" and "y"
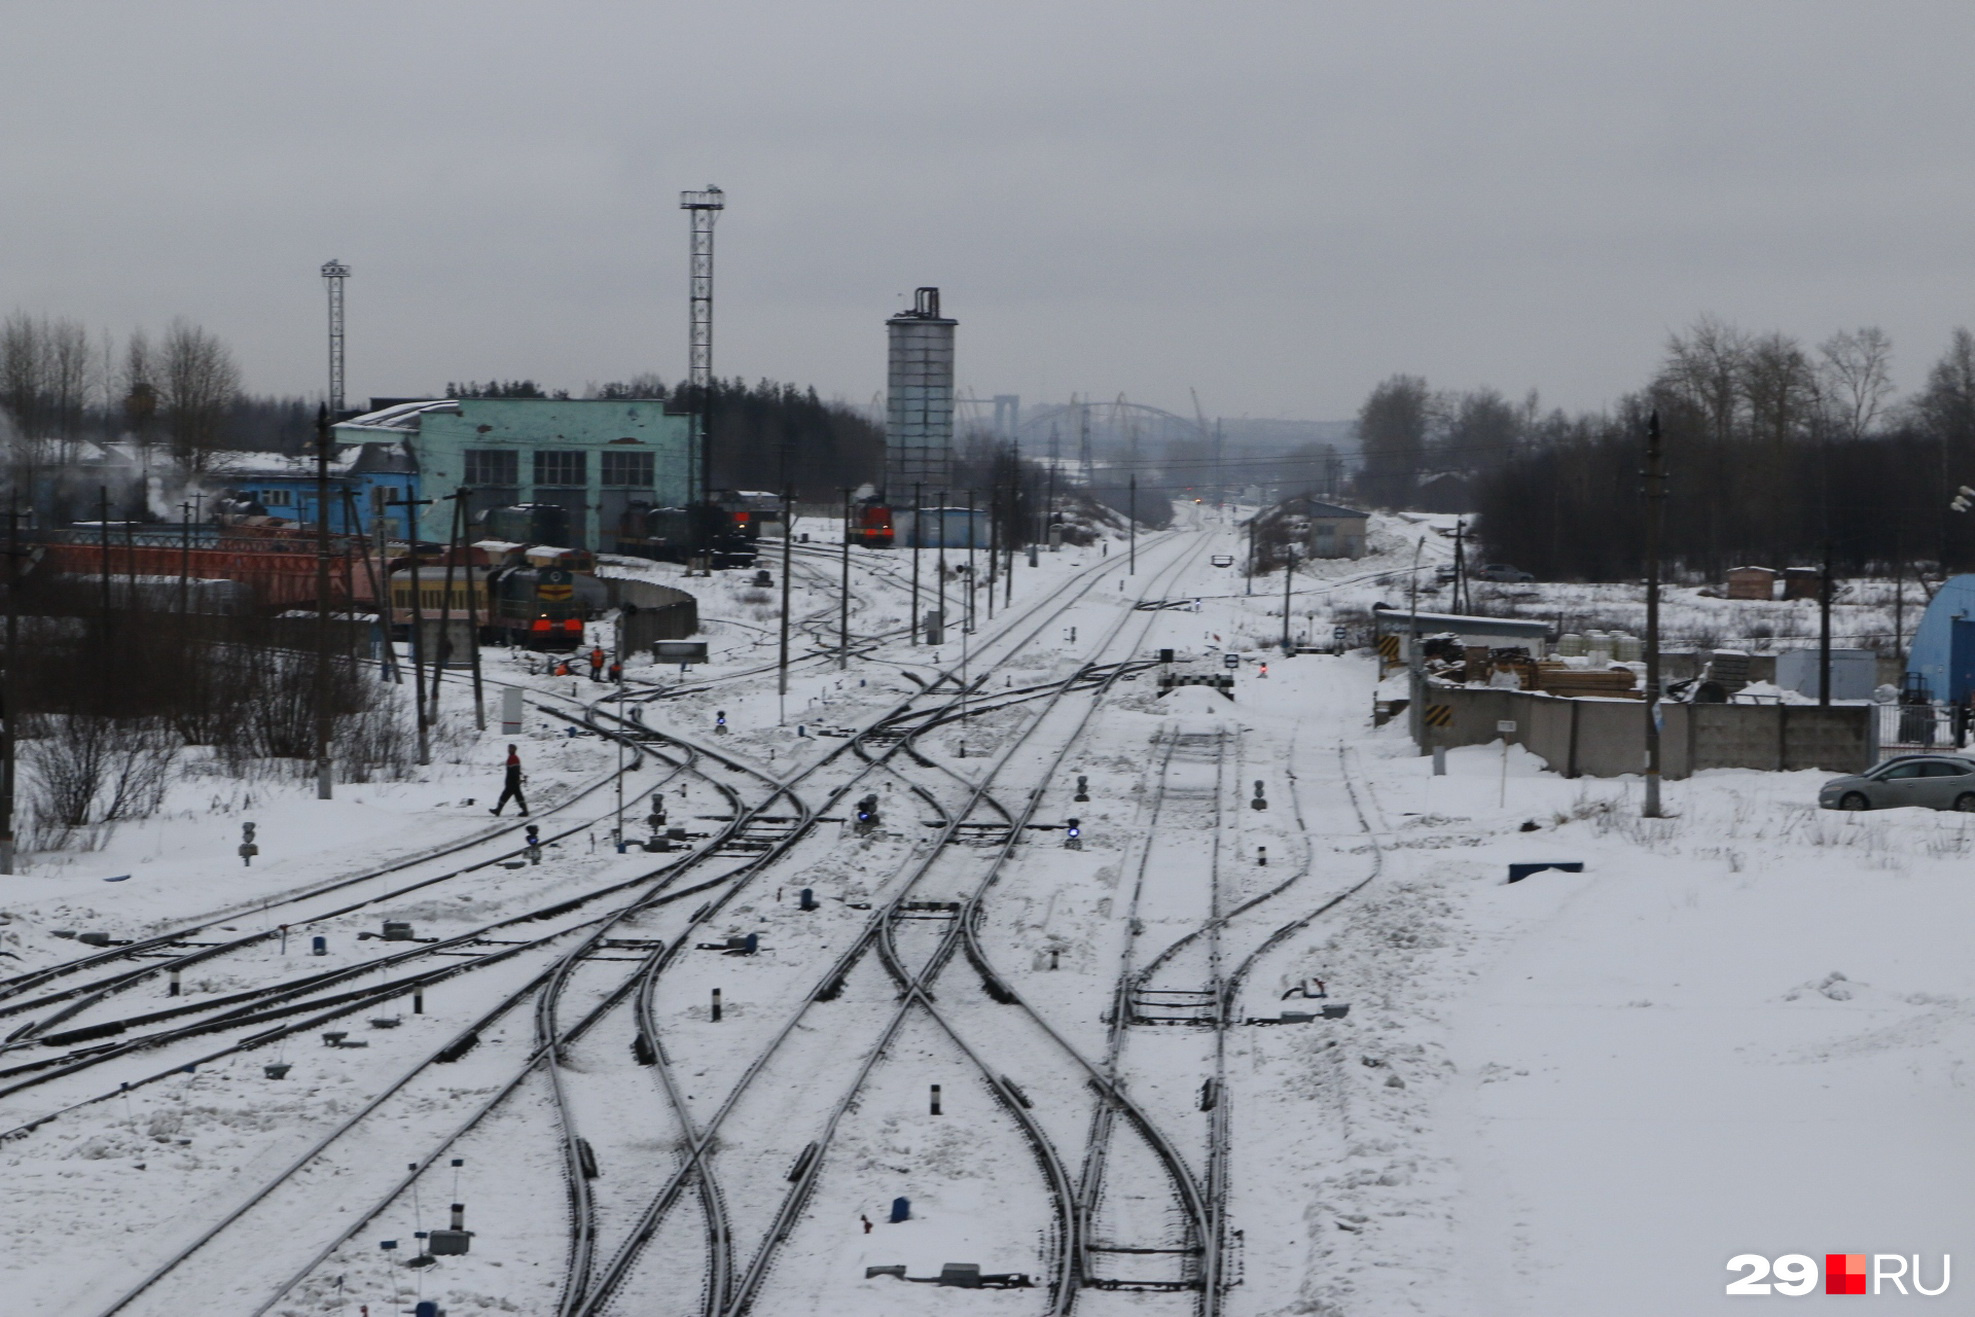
{"x": 1334, "y": 532}
{"x": 596, "y": 457}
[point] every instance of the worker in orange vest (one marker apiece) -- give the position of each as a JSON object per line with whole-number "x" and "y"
{"x": 596, "y": 663}
{"x": 511, "y": 785}
{"x": 617, "y": 672}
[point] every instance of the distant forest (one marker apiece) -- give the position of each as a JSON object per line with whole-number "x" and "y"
{"x": 768, "y": 435}
{"x": 1774, "y": 451}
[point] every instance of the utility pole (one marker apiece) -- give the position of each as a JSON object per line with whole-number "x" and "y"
{"x": 443, "y": 652}
{"x": 782, "y": 664}
{"x": 387, "y": 666}
{"x": 972, "y": 527}
{"x": 939, "y": 565}
{"x": 994, "y": 545}
{"x": 918, "y": 538}
{"x": 185, "y": 559}
{"x": 324, "y": 778}
{"x": 1049, "y": 502}
{"x": 1288, "y": 576}
{"x": 1248, "y": 583}
{"x": 1131, "y": 531}
{"x": 417, "y": 623}
{"x": 1463, "y": 599}
{"x": 1655, "y": 518}
{"x": 617, "y": 694}
{"x": 103, "y": 534}
{"x": 843, "y": 605}
{"x": 1824, "y": 632}
{"x": 379, "y": 571}
{"x": 473, "y": 614}
{"x": 1415, "y": 673}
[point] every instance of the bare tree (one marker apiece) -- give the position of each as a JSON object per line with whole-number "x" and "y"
{"x": 197, "y": 381}
{"x": 1704, "y": 369}
{"x": 24, "y": 375}
{"x": 1393, "y": 428}
{"x": 67, "y": 363}
{"x": 1780, "y": 388}
{"x": 1855, "y": 372}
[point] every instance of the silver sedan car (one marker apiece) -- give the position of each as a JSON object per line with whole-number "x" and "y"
{"x": 1930, "y": 781}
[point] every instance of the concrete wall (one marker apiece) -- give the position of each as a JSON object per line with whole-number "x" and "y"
{"x": 1607, "y": 738}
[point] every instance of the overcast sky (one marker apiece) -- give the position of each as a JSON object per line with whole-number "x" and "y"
{"x": 1275, "y": 204}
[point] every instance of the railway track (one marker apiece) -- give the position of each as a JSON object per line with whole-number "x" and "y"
{"x": 550, "y": 1039}
{"x": 878, "y": 937}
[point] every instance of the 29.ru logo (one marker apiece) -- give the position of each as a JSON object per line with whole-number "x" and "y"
{"x": 1844, "y": 1273}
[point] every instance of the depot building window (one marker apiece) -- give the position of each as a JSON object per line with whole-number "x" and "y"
{"x": 628, "y": 470}
{"x": 492, "y": 466}
{"x": 562, "y": 466}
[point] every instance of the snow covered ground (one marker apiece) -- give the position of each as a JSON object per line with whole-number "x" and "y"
{"x": 1741, "y": 1029}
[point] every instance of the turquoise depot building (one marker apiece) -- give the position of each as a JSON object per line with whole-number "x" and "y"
{"x": 1943, "y": 650}
{"x": 596, "y": 457}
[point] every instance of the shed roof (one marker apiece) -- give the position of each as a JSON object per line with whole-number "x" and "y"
{"x": 1311, "y": 507}
{"x": 1428, "y": 622}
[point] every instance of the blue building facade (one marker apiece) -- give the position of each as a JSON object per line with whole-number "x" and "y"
{"x": 364, "y": 480}
{"x": 1943, "y": 649}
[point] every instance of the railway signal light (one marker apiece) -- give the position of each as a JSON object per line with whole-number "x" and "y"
{"x": 1073, "y": 835}
{"x": 1260, "y": 801}
{"x": 248, "y": 850}
{"x": 720, "y": 721}
{"x": 1083, "y": 789}
{"x": 867, "y": 815}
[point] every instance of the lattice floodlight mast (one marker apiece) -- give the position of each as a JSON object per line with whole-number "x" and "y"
{"x": 705, "y": 207}
{"x": 333, "y": 275}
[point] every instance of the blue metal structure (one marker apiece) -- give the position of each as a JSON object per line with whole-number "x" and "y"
{"x": 1943, "y": 651}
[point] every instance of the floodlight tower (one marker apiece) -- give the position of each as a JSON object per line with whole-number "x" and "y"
{"x": 705, "y": 207}
{"x": 333, "y": 275}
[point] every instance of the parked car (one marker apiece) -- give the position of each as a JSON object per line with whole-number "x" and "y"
{"x": 1501, "y": 571}
{"x": 1930, "y": 781}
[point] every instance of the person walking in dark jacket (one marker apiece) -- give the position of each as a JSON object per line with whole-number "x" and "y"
{"x": 511, "y": 786}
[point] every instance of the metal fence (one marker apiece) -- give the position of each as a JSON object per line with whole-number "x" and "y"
{"x": 1906, "y": 729}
